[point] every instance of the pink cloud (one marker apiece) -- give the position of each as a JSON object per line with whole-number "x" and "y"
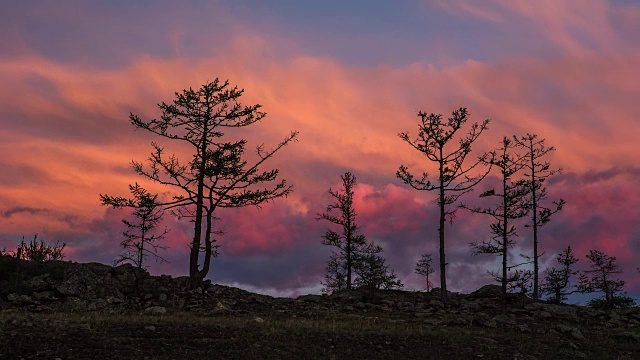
{"x": 65, "y": 137}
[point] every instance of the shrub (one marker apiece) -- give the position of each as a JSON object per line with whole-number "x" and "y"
{"x": 617, "y": 302}
{"x": 39, "y": 251}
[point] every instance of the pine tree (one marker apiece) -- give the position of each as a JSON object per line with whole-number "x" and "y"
{"x": 217, "y": 175}
{"x": 373, "y": 271}
{"x": 141, "y": 236}
{"x": 424, "y": 267}
{"x": 349, "y": 243}
{"x": 600, "y": 278}
{"x": 537, "y": 173}
{"x": 512, "y": 205}
{"x": 438, "y": 142}
{"x": 557, "y": 282}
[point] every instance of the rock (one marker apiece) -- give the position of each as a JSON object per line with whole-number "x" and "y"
{"x": 44, "y": 296}
{"x": 504, "y": 319}
{"x": 433, "y": 321}
{"x": 155, "y": 310}
{"x": 115, "y": 299}
{"x": 347, "y": 295}
{"x": 628, "y": 337}
{"x": 75, "y": 304}
{"x": 259, "y": 320}
{"x": 542, "y": 314}
{"x": 220, "y": 308}
{"x": 565, "y": 312}
{"x": 574, "y": 332}
{"x": 309, "y": 298}
{"x": 487, "y": 291}
{"x": 524, "y": 328}
{"x": 40, "y": 283}
{"x": 577, "y": 334}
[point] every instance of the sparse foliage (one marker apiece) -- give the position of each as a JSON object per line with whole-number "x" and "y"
{"x": 537, "y": 173}
{"x": 425, "y": 268}
{"x": 141, "y": 236}
{"x": 335, "y": 277}
{"x": 348, "y": 242}
{"x": 519, "y": 281}
{"x": 437, "y": 140}
{"x": 557, "y": 283}
{"x": 373, "y": 271}
{"x": 601, "y": 278}
{"x": 39, "y": 251}
{"x": 512, "y": 205}
{"x": 218, "y": 174}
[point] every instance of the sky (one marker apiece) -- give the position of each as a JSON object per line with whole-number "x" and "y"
{"x": 349, "y": 76}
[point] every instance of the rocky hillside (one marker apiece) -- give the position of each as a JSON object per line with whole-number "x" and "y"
{"x": 58, "y": 286}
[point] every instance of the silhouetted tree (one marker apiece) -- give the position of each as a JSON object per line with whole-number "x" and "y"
{"x": 349, "y": 243}
{"x": 39, "y": 251}
{"x": 335, "y": 278}
{"x": 537, "y": 173}
{"x": 141, "y": 236}
{"x": 512, "y": 205}
{"x": 519, "y": 281}
{"x": 437, "y": 140}
{"x": 424, "y": 267}
{"x": 373, "y": 271}
{"x": 217, "y": 175}
{"x": 557, "y": 282}
{"x": 601, "y": 279}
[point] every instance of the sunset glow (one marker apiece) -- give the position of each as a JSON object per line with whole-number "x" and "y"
{"x": 349, "y": 78}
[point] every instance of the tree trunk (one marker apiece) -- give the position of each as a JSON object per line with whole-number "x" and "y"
{"x": 505, "y": 238}
{"x": 207, "y": 247}
{"x": 348, "y": 236}
{"x": 194, "y": 272}
{"x": 443, "y": 261}
{"x": 536, "y": 296}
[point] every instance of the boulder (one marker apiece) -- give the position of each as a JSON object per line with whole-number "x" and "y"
{"x": 155, "y": 310}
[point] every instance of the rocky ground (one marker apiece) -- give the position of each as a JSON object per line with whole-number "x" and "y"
{"x": 64, "y": 310}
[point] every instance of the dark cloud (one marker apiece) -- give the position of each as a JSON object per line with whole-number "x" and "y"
{"x": 24, "y": 210}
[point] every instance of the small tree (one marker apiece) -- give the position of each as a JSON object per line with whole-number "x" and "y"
{"x": 512, "y": 205}
{"x": 600, "y": 278}
{"x": 39, "y": 251}
{"x": 141, "y": 236}
{"x": 557, "y": 283}
{"x": 424, "y": 267}
{"x": 348, "y": 242}
{"x": 537, "y": 173}
{"x": 438, "y": 142}
{"x": 519, "y": 281}
{"x": 335, "y": 278}
{"x": 373, "y": 271}
{"x": 217, "y": 175}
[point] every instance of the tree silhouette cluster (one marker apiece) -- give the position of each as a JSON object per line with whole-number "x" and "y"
{"x": 220, "y": 174}
{"x": 352, "y": 254}
{"x": 523, "y": 173}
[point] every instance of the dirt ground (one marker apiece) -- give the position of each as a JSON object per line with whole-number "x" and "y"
{"x": 265, "y": 336}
